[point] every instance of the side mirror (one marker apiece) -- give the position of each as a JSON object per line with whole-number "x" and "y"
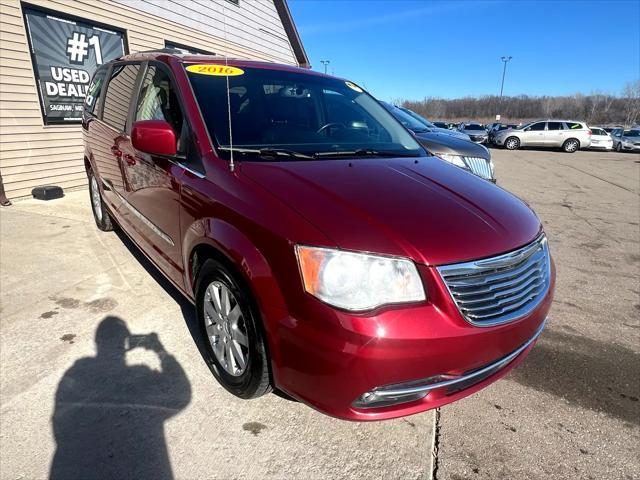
{"x": 154, "y": 136}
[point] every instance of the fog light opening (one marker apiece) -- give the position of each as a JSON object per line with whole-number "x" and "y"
{"x": 373, "y": 399}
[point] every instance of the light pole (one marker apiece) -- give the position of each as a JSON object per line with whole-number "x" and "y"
{"x": 505, "y": 60}
{"x": 325, "y": 63}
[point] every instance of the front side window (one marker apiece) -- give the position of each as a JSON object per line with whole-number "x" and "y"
{"x": 300, "y": 112}
{"x": 158, "y": 101}
{"x": 119, "y": 91}
{"x": 536, "y": 127}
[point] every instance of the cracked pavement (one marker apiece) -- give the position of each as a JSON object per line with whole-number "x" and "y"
{"x": 571, "y": 409}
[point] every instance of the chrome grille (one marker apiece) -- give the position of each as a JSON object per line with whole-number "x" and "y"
{"x": 480, "y": 166}
{"x": 503, "y": 288}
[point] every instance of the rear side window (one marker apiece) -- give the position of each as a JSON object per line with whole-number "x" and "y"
{"x": 118, "y": 97}
{"x": 573, "y": 125}
{"x": 554, "y": 126}
{"x": 94, "y": 91}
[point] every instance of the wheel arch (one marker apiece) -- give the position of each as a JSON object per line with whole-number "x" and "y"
{"x": 218, "y": 239}
{"x": 514, "y": 137}
{"x": 221, "y": 241}
{"x": 572, "y": 138}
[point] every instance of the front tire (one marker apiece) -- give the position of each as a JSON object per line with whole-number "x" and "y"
{"x": 571, "y": 145}
{"x": 512, "y": 143}
{"x": 619, "y": 147}
{"x": 235, "y": 349}
{"x": 100, "y": 214}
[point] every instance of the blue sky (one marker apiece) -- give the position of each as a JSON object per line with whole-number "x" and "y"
{"x": 411, "y": 49}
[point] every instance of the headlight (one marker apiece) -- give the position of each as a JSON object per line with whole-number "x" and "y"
{"x": 358, "y": 281}
{"x": 455, "y": 159}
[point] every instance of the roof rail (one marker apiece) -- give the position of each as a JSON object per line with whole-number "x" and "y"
{"x": 162, "y": 50}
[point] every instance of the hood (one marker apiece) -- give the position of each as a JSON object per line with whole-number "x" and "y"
{"x": 425, "y": 209}
{"x": 475, "y": 133}
{"x": 442, "y": 143}
{"x": 508, "y": 131}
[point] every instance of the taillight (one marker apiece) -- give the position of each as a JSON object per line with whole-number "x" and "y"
{"x": 589, "y": 132}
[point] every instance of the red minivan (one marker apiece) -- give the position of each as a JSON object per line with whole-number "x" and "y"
{"x": 326, "y": 253}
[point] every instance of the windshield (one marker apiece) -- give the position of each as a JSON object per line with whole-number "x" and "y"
{"x": 632, "y": 133}
{"x": 404, "y": 118}
{"x": 298, "y": 112}
{"x": 473, "y": 126}
{"x": 420, "y": 118}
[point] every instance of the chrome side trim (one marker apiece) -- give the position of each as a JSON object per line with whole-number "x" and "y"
{"x": 194, "y": 172}
{"x": 497, "y": 366}
{"x": 154, "y": 228}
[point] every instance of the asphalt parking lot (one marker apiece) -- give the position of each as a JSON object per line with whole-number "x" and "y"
{"x": 571, "y": 410}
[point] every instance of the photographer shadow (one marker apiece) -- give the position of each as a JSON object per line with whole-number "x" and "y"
{"x": 109, "y": 417}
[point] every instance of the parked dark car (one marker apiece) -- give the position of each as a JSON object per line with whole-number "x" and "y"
{"x": 432, "y": 127}
{"x": 327, "y": 255}
{"x": 462, "y": 153}
{"x": 442, "y": 125}
{"x": 476, "y": 131}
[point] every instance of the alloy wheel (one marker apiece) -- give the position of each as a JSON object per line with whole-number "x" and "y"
{"x": 512, "y": 144}
{"x": 226, "y": 328}
{"x": 96, "y": 200}
{"x": 571, "y": 146}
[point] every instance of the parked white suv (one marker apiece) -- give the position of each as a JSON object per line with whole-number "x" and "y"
{"x": 566, "y": 134}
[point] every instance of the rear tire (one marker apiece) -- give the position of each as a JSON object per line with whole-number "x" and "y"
{"x": 571, "y": 145}
{"x": 619, "y": 147}
{"x": 228, "y": 317}
{"x": 100, "y": 214}
{"x": 512, "y": 143}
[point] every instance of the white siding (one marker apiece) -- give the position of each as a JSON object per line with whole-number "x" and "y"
{"x": 253, "y": 24}
{"x": 32, "y": 154}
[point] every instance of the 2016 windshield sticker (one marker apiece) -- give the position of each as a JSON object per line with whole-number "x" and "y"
{"x": 216, "y": 70}
{"x": 353, "y": 86}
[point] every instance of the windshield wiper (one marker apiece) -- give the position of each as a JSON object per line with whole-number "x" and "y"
{"x": 268, "y": 152}
{"x": 361, "y": 152}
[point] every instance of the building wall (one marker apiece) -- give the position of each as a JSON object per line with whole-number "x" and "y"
{"x": 33, "y": 154}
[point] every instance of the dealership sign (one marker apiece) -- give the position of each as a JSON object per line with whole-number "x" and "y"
{"x": 65, "y": 52}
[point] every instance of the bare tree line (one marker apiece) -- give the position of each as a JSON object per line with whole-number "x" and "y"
{"x": 595, "y": 109}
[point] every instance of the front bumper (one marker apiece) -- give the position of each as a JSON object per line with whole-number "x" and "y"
{"x": 330, "y": 359}
{"x": 631, "y": 148}
{"x": 418, "y": 389}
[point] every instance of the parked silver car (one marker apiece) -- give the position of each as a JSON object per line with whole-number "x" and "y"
{"x": 476, "y": 132}
{"x": 626, "y": 140}
{"x": 569, "y": 135}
